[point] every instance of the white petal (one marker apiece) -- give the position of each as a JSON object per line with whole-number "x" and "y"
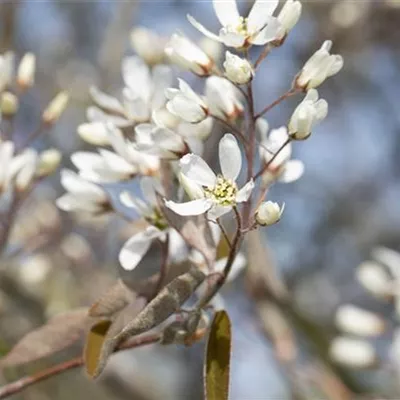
{"x": 189, "y": 111}
{"x": 226, "y": 11}
{"x": 84, "y": 160}
{"x": 194, "y": 207}
{"x": 260, "y": 13}
{"x": 77, "y": 185}
{"x": 94, "y": 133}
{"x": 128, "y": 200}
{"x": 136, "y": 247}
{"x": 118, "y": 164}
{"x": 196, "y": 169}
{"x": 269, "y": 33}
{"x": 218, "y": 211}
{"x": 262, "y": 127}
{"x": 202, "y": 29}
{"x": 238, "y": 265}
{"x": 137, "y": 76}
{"x": 149, "y": 187}
{"x": 105, "y": 101}
{"x": 231, "y": 39}
{"x": 244, "y": 193}
{"x": 177, "y": 248}
{"x": 230, "y": 157}
{"x": 293, "y": 170}
{"x": 70, "y": 203}
{"x": 388, "y": 257}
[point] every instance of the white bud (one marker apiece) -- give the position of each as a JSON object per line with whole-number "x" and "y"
{"x": 26, "y": 169}
{"x": 26, "y": 71}
{"x": 309, "y": 112}
{"x": 269, "y": 213}
{"x": 187, "y": 55}
{"x": 374, "y": 278}
{"x": 9, "y": 104}
{"x": 357, "y": 321}
{"x": 319, "y": 67}
{"x": 147, "y": 45}
{"x": 289, "y": 16}
{"x": 353, "y": 353}
{"x": 55, "y": 108}
{"x": 49, "y": 160}
{"x": 237, "y": 69}
{"x": 94, "y": 133}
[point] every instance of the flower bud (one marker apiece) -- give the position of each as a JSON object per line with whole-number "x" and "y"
{"x": 55, "y": 108}
{"x": 26, "y": 71}
{"x": 319, "y": 67}
{"x": 212, "y": 48}
{"x": 49, "y": 160}
{"x": 187, "y": 55}
{"x": 309, "y": 112}
{"x": 373, "y": 277}
{"x": 8, "y": 104}
{"x": 94, "y": 133}
{"x": 288, "y": 17}
{"x": 269, "y": 213}
{"x": 147, "y": 45}
{"x": 352, "y": 352}
{"x": 26, "y": 171}
{"x": 237, "y": 70}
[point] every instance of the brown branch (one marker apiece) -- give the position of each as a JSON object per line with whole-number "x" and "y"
{"x": 279, "y": 100}
{"x": 22, "y": 383}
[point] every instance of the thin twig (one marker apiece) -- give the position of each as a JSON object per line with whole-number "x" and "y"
{"x": 22, "y": 383}
{"x": 163, "y": 268}
{"x": 232, "y": 128}
{"x": 226, "y": 237}
{"x": 279, "y": 100}
{"x": 263, "y": 54}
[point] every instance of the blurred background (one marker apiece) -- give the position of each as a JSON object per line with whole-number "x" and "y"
{"x": 347, "y": 202}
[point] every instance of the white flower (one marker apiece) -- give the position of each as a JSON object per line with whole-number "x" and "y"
{"x": 137, "y": 246}
{"x": 289, "y": 16}
{"x": 357, "y": 321}
{"x": 147, "y": 45}
{"x": 159, "y": 141}
{"x": 269, "y": 213}
{"x": 187, "y": 55}
{"x": 6, "y": 69}
{"x": 186, "y": 104}
{"x": 26, "y": 71}
{"x": 238, "y": 70}
{"x": 81, "y": 196}
{"x": 258, "y": 28}
{"x": 319, "y": 67}
{"x": 352, "y": 352}
{"x": 223, "y": 98}
{"x": 373, "y": 277}
{"x": 218, "y": 193}
{"x": 281, "y": 168}
{"x": 309, "y": 112}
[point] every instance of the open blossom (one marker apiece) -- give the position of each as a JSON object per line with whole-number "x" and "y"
{"x": 237, "y": 69}
{"x": 319, "y": 67}
{"x": 223, "y": 98}
{"x": 281, "y": 168}
{"x": 82, "y": 196}
{"x": 259, "y": 28}
{"x": 186, "y": 104}
{"x": 269, "y": 213}
{"x": 215, "y": 194}
{"x": 308, "y": 113}
{"x": 137, "y": 246}
{"x": 187, "y": 55}
{"x": 289, "y": 16}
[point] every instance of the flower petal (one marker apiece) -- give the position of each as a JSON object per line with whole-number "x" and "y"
{"x": 293, "y": 170}
{"x": 218, "y": 211}
{"x": 231, "y": 39}
{"x": 193, "y": 207}
{"x": 105, "y": 101}
{"x": 136, "y": 247}
{"x": 196, "y": 169}
{"x": 238, "y": 265}
{"x": 149, "y": 187}
{"x": 260, "y": 13}
{"x": 128, "y": 200}
{"x": 230, "y": 157}
{"x": 202, "y": 29}
{"x": 227, "y": 12}
{"x": 269, "y": 33}
{"x": 244, "y": 193}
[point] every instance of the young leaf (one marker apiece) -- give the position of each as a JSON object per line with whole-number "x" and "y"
{"x": 94, "y": 343}
{"x": 217, "y": 362}
{"x": 60, "y": 332}
{"x": 113, "y": 301}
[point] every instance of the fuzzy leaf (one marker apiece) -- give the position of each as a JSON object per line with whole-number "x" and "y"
{"x": 60, "y": 332}
{"x": 94, "y": 343}
{"x": 218, "y": 354}
{"x": 113, "y": 301}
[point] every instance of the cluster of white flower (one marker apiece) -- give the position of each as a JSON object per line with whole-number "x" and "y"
{"x": 22, "y": 166}
{"x": 381, "y": 279}
{"x": 154, "y": 132}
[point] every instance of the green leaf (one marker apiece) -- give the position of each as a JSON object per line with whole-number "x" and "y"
{"x": 218, "y": 355}
{"x": 94, "y": 343}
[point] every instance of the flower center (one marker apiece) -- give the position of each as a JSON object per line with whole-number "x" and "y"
{"x": 157, "y": 219}
{"x": 224, "y": 192}
{"x": 240, "y": 27}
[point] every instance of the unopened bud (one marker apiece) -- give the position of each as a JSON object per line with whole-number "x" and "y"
{"x": 55, "y": 108}
{"x": 49, "y": 160}
{"x": 9, "y": 104}
{"x": 26, "y": 71}
{"x": 269, "y": 213}
{"x": 237, "y": 70}
{"x": 289, "y": 16}
{"x": 147, "y": 45}
{"x": 353, "y": 352}
{"x": 26, "y": 175}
